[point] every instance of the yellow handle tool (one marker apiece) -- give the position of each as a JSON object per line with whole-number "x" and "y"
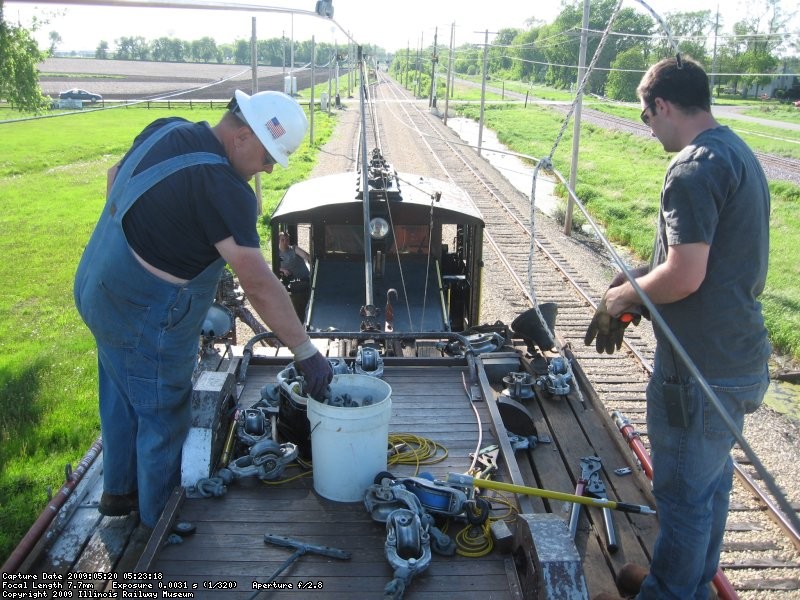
{"x": 487, "y": 484}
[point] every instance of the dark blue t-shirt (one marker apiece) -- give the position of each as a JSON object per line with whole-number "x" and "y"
{"x": 175, "y": 224}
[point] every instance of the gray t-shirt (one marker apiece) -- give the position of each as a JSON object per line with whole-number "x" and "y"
{"x": 715, "y": 191}
{"x": 294, "y": 263}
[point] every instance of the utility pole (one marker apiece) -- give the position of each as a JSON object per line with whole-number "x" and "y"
{"x": 483, "y": 88}
{"x": 714, "y": 59}
{"x": 448, "y": 88}
{"x": 408, "y": 59}
{"x": 434, "y": 60}
{"x": 336, "y": 45}
{"x": 254, "y": 86}
{"x": 330, "y": 82}
{"x": 576, "y": 126}
{"x": 311, "y": 102}
{"x": 419, "y": 65}
{"x": 292, "y": 89}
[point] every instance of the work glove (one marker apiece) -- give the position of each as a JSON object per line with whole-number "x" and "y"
{"x": 619, "y": 325}
{"x": 317, "y": 374}
{"x": 600, "y": 330}
{"x": 608, "y": 332}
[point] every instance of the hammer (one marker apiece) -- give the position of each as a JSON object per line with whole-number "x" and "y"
{"x": 301, "y": 548}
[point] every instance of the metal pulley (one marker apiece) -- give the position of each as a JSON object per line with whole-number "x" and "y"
{"x": 558, "y": 378}
{"x": 381, "y": 500}
{"x": 266, "y": 460}
{"x": 407, "y": 549}
{"x": 479, "y": 343}
{"x": 368, "y": 362}
{"x": 519, "y": 386}
{"x": 218, "y": 322}
{"x": 253, "y": 425}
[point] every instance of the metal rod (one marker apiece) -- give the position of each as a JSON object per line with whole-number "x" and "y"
{"x": 41, "y": 524}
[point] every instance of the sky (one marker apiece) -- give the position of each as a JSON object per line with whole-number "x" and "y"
{"x": 390, "y": 25}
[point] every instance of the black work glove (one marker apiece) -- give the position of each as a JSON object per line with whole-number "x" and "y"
{"x": 317, "y": 374}
{"x": 600, "y": 330}
{"x": 608, "y": 332}
{"x": 619, "y": 325}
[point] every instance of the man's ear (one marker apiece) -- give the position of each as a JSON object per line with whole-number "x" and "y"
{"x": 242, "y": 134}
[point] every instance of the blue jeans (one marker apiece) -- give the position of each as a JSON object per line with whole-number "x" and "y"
{"x": 692, "y": 480}
{"x": 147, "y": 340}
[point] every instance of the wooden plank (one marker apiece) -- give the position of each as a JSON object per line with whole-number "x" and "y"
{"x": 580, "y": 432}
{"x": 69, "y": 545}
{"x": 759, "y": 563}
{"x": 771, "y": 583}
{"x": 106, "y": 545}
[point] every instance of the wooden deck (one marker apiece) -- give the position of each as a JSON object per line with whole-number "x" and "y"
{"x": 431, "y": 399}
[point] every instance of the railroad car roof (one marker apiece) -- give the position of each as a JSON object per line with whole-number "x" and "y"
{"x": 319, "y": 194}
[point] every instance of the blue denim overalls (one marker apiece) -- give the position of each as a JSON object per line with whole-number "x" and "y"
{"x": 147, "y": 332}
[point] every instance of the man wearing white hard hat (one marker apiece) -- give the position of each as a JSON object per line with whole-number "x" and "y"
{"x": 179, "y": 208}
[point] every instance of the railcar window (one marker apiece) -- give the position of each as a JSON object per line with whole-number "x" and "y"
{"x": 344, "y": 239}
{"x": 349, "y": 239}
{"x": 411, "y": 239}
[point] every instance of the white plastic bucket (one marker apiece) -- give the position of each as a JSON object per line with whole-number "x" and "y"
{"x": 349, "y": 444}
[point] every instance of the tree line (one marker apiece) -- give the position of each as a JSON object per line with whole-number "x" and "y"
{"x": 753, "y": 55}
{"x": 274, "y": 52}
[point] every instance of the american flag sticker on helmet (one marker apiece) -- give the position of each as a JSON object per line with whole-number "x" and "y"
{"x": 275, "y": 128}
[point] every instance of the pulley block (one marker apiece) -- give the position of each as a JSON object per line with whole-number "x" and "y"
{"x": 266, "y": 460}
{"x": 407, "y": 548}
{"x": 558, "y": 378}
{"x": 519, "y": 386}
{"x": 368, "y": 362}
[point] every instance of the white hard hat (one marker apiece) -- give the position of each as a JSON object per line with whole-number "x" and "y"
{"x": 277, "y": 120}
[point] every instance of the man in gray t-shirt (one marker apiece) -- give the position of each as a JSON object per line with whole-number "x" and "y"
{"x": 294, "y": 273}
{"x": 708, "y": 269}
{"x": 293, "y": 259}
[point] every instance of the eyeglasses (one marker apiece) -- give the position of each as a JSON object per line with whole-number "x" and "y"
{"x": 644, "y": 116}
{"x": 233, "y": 106}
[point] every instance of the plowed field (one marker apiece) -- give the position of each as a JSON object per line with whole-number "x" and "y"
{"x": 128, "y": 80}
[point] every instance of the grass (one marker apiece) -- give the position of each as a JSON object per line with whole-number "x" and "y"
{"x": 619, "y": 181}
{"x": 52, "y": 186}
{"x": 776, "y": 140}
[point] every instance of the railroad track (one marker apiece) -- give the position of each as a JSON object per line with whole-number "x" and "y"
{"x": 776, "y": 167}
{"x": 761, "y": 559}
